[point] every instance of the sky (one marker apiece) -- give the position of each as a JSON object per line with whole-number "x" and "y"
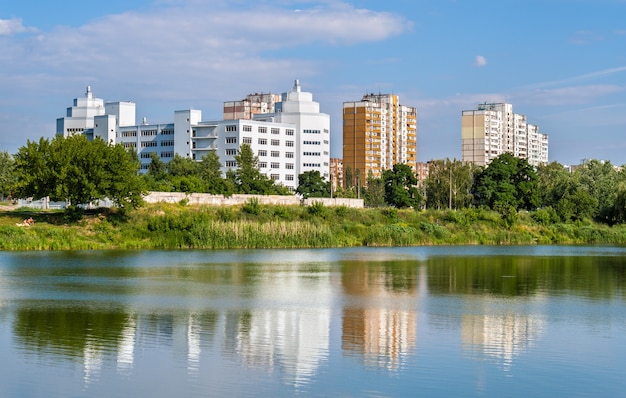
{"x": 562, "y": 63}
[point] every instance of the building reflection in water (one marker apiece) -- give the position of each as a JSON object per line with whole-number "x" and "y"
{"x": 500, "y": 337}
{"x": 292, "y": 341}
{"x": 380, "y": 321}
{"x": 126, "y": 347}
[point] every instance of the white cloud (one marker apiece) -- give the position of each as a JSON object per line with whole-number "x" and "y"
{"x": 12, "y": 26}
{"x": 574, "y": 95}
{"x": 192, "y": 40}
{"x": 480, "y": 61}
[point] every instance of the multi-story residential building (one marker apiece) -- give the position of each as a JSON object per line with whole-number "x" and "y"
{"x": 493, "y": 129}
{"x": 292, "y": 139}
{"x": 378, "y": 132}
{"x": 336, "y": 173}
{"x": 253, "y": 104}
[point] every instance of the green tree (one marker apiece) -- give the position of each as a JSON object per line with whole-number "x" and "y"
{"x": 348, "y": 179}
{"x": 78, "y": 170}
{"x": 449, "y": 184}
{"x": 157, "y": 168}
{"x": 375, "y": 192}
{"x": 563, "y": 192}
{"x": 7, "y": 174}
{"x": 183, "y": 166}
{"x": 247, "y": 177}
{"x": 400, "y": 187}
{"x": 601, "y": 181}
{"x": 507, "y": 182}
{"x": 312, "y": 185}
{"x": 211, "y": 173}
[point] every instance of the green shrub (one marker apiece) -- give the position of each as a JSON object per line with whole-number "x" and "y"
{"x": 317, "y": 209}
{"x": 252, "y": 207}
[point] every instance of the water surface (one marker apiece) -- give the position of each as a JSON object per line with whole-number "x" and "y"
{"x": 540, "y": 321}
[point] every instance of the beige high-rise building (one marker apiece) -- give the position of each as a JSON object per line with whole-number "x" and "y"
{"x": 378, "y": 132}
{"x": 493, "y": 129}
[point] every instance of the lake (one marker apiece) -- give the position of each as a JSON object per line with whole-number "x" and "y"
{"x": 476, "y": 321}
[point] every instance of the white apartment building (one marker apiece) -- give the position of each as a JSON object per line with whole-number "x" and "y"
{"x": 292, "y": 139}
{"x": 493, "y": 129}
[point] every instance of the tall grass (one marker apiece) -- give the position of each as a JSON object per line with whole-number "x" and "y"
{"x": 173, "y": 226}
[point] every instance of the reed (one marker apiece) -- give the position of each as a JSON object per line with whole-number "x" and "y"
{"x": 173, "y": 226}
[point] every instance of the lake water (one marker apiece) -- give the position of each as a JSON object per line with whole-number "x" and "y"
{"x": 536, "y": 321}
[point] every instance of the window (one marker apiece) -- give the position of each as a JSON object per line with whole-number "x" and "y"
{"x": 148, "y": 132}
{"x": 262, "y": 141}
{"x": 311, "y": 142}
{"x": 231, "y": 140}
{"x": 311, "y": 153}
{"x": 231, "y": 152}
{"x": 289, "y": 143}
{"x": 167, "y": 132}
{"x": 262, "y": 152}
{"x": 230, "y": 163}
{"x": 231, "y": 127}
{"x": 275, "y": 177}
{"x": 275, "y": 165}
{"x": 262, "y": 165}
{"x": 168, "y": 154}
{"x": 247, "y": 127}
{"x": 145, "y": 166}
{"x": 247, "y": 140}
{"x": 146, "y": 155}
{"x": 311, "y": 131}
{"x": 289, "y": 177}
{"x": 275, "y": 154}
{"x": 129, "y": 134}
{"x": 129, "y": 145}
{"x": 275, "y": 142}
{"x": 289, "y": 166}
{"x": 148, "y": 144}
{"x": 289, "y": 155}
{"x": 262, "y": 129}
{"x": 167, "y": 143}
{"x": 289, "y": 132}
{"x": 275, "y": 130}
{"x": 311, "y": 164}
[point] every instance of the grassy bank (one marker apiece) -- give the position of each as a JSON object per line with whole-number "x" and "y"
{"x": 167, "y": 226}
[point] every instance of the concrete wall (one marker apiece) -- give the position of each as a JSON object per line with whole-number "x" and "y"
{"x": 237, "y": 200}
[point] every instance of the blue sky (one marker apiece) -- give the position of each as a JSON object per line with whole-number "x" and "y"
{"x": 562, "y": 63}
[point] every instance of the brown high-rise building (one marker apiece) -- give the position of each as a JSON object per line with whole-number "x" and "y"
{"x": 378, "y": 132}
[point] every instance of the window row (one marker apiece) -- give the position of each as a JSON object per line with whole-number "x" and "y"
{"x": 276, "y": 165}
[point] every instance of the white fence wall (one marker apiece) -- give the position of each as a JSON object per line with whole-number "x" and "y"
{"x": 237, "y": 200}
{"x": 204, "y": 199}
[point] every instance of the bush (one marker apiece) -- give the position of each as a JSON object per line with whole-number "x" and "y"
{"x": 252, "y": 207}
{"x": 317, "y": 209}
{"x": 545, "y": 216}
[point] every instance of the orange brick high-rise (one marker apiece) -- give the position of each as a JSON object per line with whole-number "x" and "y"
{"x": 378, "y": 132}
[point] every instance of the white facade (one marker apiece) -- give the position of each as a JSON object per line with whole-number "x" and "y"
{"x": 80, "y": 116}
{"x": 493, "y": 129}
{"x": 311, "y": 128}
{"x": 292, "y": 140}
